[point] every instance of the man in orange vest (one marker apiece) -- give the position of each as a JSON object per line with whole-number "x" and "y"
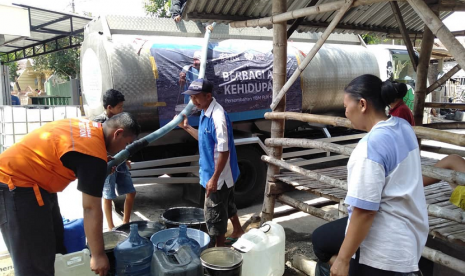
{"x": 43, "y": 163}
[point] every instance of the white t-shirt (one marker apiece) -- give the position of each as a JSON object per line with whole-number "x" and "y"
{"x": 384, "y": 175}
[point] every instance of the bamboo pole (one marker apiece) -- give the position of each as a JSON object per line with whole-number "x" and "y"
{"x": 317, "y": 212}
{"x": 446, "y": 105}
{"x": 440, "y": 30}
{"x": 439, "y": 135}
{"x": 307, "y": 143}
{"x": 277, "y": 126}
{"x": 310, "y": 118}
{"x": 448, "y": 125}
{"x": 303, "y": 264}
{"x": 422, "y": 76}
{"x": 442, "y": 150}
{"x": 441, "y": 212}
{"x": 404, "y": 33}
{"x": 341, "y": 184}
{"x": 284, "y": 17}
{"x": 421, "y": 132}
{"x": 443, "y": 259}
{"x": 443, "y": 79}
{"x": 311, "y": 54}
{"x": 452, "y": 177}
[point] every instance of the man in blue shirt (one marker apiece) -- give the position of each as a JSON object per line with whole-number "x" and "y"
{"x": 218, "y": 161}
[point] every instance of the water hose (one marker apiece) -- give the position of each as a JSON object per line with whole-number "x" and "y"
{"x": 137, "y": 145}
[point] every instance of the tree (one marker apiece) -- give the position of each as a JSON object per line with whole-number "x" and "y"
{"x": 157, "y": 8}
{"x": 13, "y": 66}
{"x": 64, "y": 63}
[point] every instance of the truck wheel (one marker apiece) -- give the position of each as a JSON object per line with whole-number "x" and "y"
{"x": 250, "y": 186}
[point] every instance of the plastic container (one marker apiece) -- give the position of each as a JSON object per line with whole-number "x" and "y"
{"x": 164, "y": 235}
{"x": 73, "y": 264}
{"x": 134, "y": 255}
{"x": 263, "y": 250}
{"x": 172, "y": 245}
{"x": 183, "y": 262}
{"x": 74, "y": 235}
{"x": 146, "y": 228}
{"x": 222, "y": 261}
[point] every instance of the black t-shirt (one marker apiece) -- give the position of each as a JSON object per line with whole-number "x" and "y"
{"x": 89, "y": 170}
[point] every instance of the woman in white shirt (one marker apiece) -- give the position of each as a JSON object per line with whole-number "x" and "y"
{"x": 387, "y": 225}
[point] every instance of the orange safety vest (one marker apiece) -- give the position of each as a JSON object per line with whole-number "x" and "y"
{"x": 35, "y": 160}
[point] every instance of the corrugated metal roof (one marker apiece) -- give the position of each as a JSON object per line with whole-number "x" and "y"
{"x": 47, "y": 27}
{"x": 376, "y": 18}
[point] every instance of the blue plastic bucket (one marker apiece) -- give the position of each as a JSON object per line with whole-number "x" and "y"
{"x": 164, "y": 235}
{"x": 74, "y": 235}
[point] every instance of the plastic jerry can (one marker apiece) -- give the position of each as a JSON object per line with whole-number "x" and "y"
{"x": 73, "y": 264}
{"x": 133, "y": 256}
{"x": 263, "y": 250}
{"x": 183, "y": 262}
{"x": 74, "y": 235}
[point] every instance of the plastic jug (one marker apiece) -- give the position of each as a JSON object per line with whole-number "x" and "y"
{"x": 184, "y": 262}
{"x": 73, "y": 264}
{"x": 172, "y": 245}
{"x": 134, "y": 255}
{"x": 74, "y": 236}
{"x": 263, "y": 250}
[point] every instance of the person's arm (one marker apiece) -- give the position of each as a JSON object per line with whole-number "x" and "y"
{"x": 93, "y": 225}
{"x": 212, "y": 184}
{"x": 91, "y": 173}
{"x": 192, "y": 131}
{"x": 359, "y": 226}
{"x": 176, "y": 6}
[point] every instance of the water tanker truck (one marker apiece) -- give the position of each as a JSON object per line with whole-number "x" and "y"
{"x": 143, "y": 57}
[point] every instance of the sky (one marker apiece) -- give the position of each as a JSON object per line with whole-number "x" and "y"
{"x": 135, "y": 8}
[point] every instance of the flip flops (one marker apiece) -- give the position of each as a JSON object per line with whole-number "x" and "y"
{"x": 230, "y": 241}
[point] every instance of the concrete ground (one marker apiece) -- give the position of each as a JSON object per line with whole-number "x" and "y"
{"x": 153, "y": 199}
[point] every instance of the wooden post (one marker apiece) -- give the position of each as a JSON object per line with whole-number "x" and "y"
{"x": 443, "y": 79}
{"x": 311, "y": 54}
{"x": 440, "y": 30}
{"x": 422, "y": 76}
{"x": 277, "y": 126}
{"x": 404, "y": 33}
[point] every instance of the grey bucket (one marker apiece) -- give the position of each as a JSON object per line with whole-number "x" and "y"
{"x": 221, "y": 261}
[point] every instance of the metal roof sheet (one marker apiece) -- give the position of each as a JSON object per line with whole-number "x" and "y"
{"x": 57, "y": 30}
{"x": 376, "y": 18}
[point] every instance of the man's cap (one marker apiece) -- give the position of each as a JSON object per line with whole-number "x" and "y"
{"x": 197, "y": 55}
{"x": 198, "y": 86}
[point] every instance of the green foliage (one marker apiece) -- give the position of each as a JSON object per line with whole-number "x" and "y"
{"x": 65, "y": 62}
{"x": 13, "y": 66}
{"x": 157, "y": 8}
{"x": 373, "y": 39}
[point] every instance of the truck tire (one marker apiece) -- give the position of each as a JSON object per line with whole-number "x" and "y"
{"x": 250, "y": 186}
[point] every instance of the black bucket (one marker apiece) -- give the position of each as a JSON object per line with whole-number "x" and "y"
{"x": 145, "y": 228}
{"x": 192, "y": 217}
{"x": 221, "y": 261}
{"x": 110, "y": 240}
